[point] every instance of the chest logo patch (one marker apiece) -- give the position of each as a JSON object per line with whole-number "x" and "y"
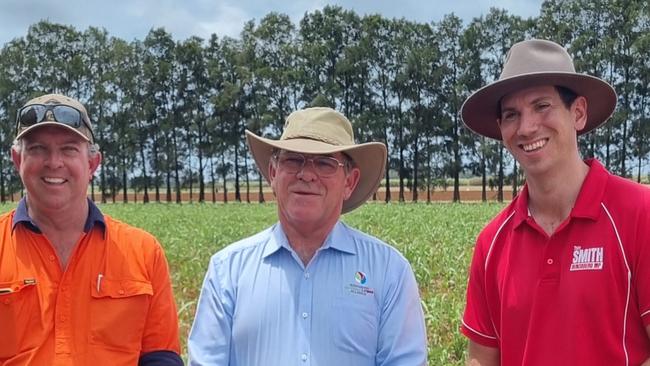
{"x": 359, "y": 287}
{"x": 587, "y": 259}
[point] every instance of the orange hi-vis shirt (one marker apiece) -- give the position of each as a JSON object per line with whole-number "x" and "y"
{"x": 112, "y": 304}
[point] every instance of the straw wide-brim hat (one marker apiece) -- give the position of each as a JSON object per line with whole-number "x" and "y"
{"x": 322, "y": 131}
{"x": 535, "y": 63}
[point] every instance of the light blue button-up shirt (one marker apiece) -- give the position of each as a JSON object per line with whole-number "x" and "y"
{"x": 355, "y": 304}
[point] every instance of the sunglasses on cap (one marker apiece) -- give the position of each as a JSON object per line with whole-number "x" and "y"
{"x": 32, "y": 114}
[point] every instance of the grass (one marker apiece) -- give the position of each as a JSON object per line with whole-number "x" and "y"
{"x": 437, "y": 239}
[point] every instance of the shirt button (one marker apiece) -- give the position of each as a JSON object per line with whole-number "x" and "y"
{"x": 549, "y": 261}
{"x": 305, "y": 315}
{"x": 121, "y": 292}
{"x": 307, "y": 275}
{"x": 62, "y": 318}
{"x": 52, "y": 258}
{"x": 64, "y": 288}
{"x": 303, "y": 357}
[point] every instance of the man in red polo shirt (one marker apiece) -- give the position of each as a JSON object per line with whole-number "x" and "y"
{"x": 76, "y": 287}
{"x": 562, "y": 275}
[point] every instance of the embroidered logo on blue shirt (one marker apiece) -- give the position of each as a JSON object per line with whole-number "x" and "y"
{"x": 360, "y": 277}
{"x": 358, "y": 288}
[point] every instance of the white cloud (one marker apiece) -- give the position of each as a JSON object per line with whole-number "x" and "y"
{"x": 227, "y": 20}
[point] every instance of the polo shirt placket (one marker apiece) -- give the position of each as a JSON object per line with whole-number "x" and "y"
{"x": 305, "y": 306}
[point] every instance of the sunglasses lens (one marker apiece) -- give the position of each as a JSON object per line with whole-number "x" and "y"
{"x": 67, "y": 115}
{"x": 32, "y": 114}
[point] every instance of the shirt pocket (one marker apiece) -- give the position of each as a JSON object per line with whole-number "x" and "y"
{"x": 356, "y": 327}
{"x": 118, "y": 313}
{"x": 19, "y": 313}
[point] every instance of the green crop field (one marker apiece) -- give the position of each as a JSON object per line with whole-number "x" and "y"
{"x": 436, "y": 238}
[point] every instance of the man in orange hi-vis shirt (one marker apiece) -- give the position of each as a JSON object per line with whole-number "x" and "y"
{"x": 76, "y": 287}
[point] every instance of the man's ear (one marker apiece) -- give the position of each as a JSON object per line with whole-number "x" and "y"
{"x": 94, "y": 160}
{"x": 579, "y": 113}
{"x": 16, "y": 158}
{"x": 351, "y": 182}
{"x": 272, "y": 172}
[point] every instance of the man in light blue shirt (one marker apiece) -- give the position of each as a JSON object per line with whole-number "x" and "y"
{"x": 310, "y": 290}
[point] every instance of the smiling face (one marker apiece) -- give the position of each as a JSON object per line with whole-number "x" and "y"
{"x": 540, "y": 131}
{"x": 307, "y": 200}
{"x": 55, "y": 167}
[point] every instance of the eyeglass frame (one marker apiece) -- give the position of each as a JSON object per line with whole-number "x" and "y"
{"x": 83, "y": 118}
{"x": 345, "y": 164}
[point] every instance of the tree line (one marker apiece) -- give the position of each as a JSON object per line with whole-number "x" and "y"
{"x": 169, "y": 115}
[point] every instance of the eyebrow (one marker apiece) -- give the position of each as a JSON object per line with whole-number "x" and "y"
{"x": 534, "y": 101}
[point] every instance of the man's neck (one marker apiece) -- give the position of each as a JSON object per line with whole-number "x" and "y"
{"x": 306, "y": 240}
{"x": 552, "y": 197}
{"x": 62, "y": 227}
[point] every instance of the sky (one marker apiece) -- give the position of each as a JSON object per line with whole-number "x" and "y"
{"x": 132, "y": 19}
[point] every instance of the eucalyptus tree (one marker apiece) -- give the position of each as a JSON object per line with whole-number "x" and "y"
{"x": 217, "y": 136}
{"x": 158, "y": 75}
{"x": 473, "y": 43}
{"x": 126, "y": 92}
{"x": 423, "y": 76}
{"x": 352, "y": 71}
{"x": 191, "y": 100}
{"x": 94, "y": 87}
{"x": 401, "y": 107}
{"x": 379, "y": 34}
{"x": 254, "y": 97}
{"x": 624, "y": 32}
{"x": 323, "y": 37}
{"x": 229, "y": 106}
{"x": 641, "y": 120}
{"x": 449, "y": 36}
{"x": 54, "y": 61}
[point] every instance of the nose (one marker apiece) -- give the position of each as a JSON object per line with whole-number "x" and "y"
{"x": 528, "y": 124}
{"x": 54, "y": 159}
{"x": 307, "y": 172}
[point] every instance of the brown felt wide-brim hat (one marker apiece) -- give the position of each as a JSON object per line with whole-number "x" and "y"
{"x": 535, "y": 63}
{"x": 322, "y": 131}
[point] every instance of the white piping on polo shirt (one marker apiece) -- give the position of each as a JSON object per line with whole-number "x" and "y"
{"x": 476, "y": 331}
{"x": 487, "y": 259}
{"x": 629, "y": 279}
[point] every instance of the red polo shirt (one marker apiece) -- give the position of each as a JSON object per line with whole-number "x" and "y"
{"x": 111, "y": 304}
{"x": 578, "y": 297}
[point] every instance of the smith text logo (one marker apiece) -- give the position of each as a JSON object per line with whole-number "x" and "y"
{"x": 587, "y": 259}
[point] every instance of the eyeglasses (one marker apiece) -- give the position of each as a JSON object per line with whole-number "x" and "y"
{"x": 36, "y": 113}
{"x": 325, "y": 166}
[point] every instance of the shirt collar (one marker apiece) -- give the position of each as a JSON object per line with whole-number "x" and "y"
{"x": 587, "y": 204}
{"x": 337, "y": 239}
{"x": 592, "y": 191}
{"x": 21, "y": 215}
